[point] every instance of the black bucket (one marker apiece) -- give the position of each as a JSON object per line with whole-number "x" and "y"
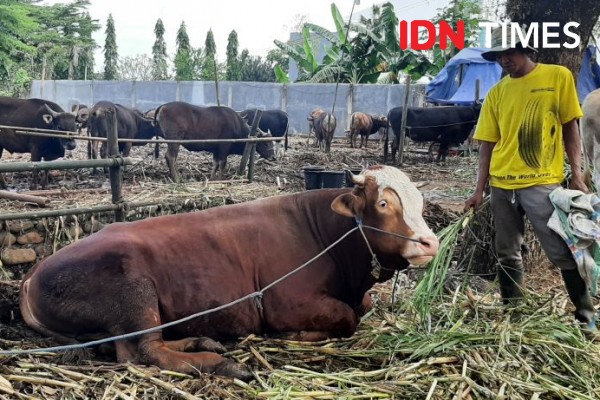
{"x": 333, "y": 179}
{"x": 355, "y": 171}
{"x": 313, "y": 177}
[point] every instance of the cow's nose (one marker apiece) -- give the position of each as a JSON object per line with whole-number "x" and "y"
{"x": 431, "y": 244}
{"x": 71, "y": 146}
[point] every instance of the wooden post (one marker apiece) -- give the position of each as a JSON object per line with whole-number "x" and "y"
{"x": 251, "y": 162}
{"x": 115, "y": 172}
{"x": 250, "y": 146}
{"x": 403, "y": 125}
{"x": 216, "y": 82}
{"x": 27, "y": 198}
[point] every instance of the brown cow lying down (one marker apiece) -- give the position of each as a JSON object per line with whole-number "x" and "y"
{"x": 138, "y": 275}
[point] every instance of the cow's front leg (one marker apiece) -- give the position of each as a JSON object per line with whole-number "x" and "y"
{"x": 2, "y": 181}
{"x": 153, "y": 350}
{"x": 218, "y": 169}
{"x": 127, "y": 149}
{"x": 35, "y": 157}
{"x": 195, "y": 344}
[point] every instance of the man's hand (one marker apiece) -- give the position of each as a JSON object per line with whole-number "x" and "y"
{"x": 474, "y": 201}
{"x": 577, "y": 183}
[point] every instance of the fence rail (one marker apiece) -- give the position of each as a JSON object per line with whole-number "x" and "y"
{"x": 115, "y": 163}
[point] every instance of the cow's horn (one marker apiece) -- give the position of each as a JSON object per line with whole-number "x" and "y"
{"x": 357, "y": 179}
{"x": 76, "y": 110}
{"x": 261, "y": 133}
{"x": 51, "y": 111}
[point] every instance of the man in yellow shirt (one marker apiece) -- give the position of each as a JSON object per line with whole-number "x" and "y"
{"x": 527, "y": 122}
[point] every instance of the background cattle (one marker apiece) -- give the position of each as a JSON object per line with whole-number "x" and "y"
{"x": 273, "y": 121}
{"x": 82, "y": 113}
{"x": 34, "y": 113}
{"x": 364, "y": 125}
{"x": 324, "y": 126}
{"x": 183, "y": 121}
{"x": 138, "y": 275}
{"x": 590, "y": 133}
{"x": 130, "y": 125}
{"x": 150, "y": 114}
{"x": 314, "y": 114}
{"x": 443, "y": 125}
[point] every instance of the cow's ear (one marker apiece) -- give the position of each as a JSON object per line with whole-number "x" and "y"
{"x": 346, "y": 204}
{"x": 47, "y": 119}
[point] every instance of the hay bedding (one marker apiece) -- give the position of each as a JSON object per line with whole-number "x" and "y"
{"x": 466, "y": 347}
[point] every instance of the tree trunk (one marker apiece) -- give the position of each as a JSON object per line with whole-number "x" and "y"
{"x": 584, "y": 12}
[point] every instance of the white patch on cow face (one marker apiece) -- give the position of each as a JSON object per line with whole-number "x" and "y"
{"x": 412, "y": 205}
{"x": 47, "y": 119}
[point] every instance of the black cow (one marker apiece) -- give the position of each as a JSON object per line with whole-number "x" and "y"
{"x": 130, "y": 125}
{"x": 183, "y": 121}
{"x": 35, "y": 113}
{"x": 82, "y": 112}
{"x": 274, "y": 121}
{"x": 443, "y": 125}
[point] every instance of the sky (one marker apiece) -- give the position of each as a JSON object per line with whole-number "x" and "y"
{"x": 257, "y": 22}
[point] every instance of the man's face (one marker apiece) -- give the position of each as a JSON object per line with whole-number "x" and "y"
{"x": 513, "y": 61}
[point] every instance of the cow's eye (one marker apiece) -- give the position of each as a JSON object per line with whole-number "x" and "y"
{"x": 383, "y": 203}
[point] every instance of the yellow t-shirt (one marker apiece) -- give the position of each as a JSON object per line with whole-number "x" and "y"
{"x": 524, "y": 117}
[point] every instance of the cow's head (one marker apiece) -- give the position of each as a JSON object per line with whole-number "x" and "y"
{"x": 380, "y": 118}
{"x": 61, "y": 121}
{"x": 385, "y": 198}
{"x": 265, "y": 149}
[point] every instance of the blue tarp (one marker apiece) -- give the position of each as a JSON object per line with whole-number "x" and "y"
{"x": 444, "y": 88}
{"x": 465, "y": 67}
{"x": 589, "y": 75}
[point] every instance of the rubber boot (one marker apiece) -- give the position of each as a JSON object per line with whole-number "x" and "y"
{"x": 510, "y": 279}
{"x": 579, "y": 294}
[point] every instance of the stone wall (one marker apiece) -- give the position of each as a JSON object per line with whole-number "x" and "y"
{"x": 25, "y": 242}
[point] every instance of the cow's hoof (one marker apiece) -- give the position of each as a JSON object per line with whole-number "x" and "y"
{"x": 233, "y": 370}
{"x": 207, "y": 344}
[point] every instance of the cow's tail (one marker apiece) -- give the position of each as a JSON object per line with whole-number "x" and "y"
{"x": 155, "y": 123}
{"x": 287, "y": 128}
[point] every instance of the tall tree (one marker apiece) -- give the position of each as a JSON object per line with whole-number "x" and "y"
{"x": 136, "y": 68}
{"x": 584, "y": 12}
{"x": 64, "y": 39}
{"x": 232, "y": 72}
{"x": 160, "y": 68}
{"x": 184, "y": 65}
{"x": 17, "y": 24}
{"x": 85, "y": 67}
{"x": 255, "y": 69}
{"x": 209, "y": 71}
{"x": 459, "y": 10}
{"x": 110, "y": 51}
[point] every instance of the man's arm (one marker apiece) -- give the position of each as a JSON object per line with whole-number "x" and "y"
{"x": 572, "y": 143}
{"x": 483, "y": 175}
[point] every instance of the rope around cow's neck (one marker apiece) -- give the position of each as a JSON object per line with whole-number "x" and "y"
{"x": 257, "y": 296}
